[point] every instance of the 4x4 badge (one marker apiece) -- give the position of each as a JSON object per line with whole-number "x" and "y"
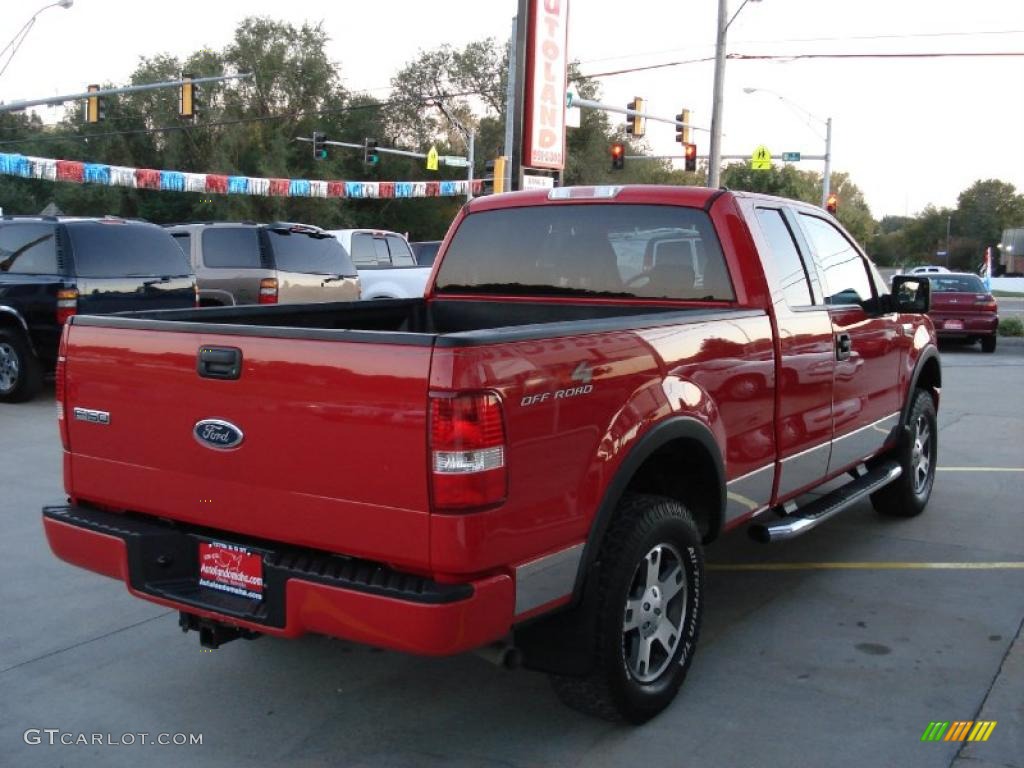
{"x": 217, "y": 434}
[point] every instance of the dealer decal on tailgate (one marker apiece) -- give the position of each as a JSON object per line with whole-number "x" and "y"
{"x": 231, "y": 569}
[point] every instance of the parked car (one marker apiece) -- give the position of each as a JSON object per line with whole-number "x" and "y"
{"x": 537, "y": 450}
{"x": 279, "y": 263}
{"x": 54, "y": 267}
{"x": 385, "y": 262}
{"x": 927, "y": 269}
{"x": 963, "y": 308}
{"x": 425, "y": 252}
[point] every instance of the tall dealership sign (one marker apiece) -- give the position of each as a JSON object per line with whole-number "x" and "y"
{"x": 542, "y": 34}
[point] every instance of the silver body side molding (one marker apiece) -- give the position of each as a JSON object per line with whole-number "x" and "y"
{"x": 547, "y": 578}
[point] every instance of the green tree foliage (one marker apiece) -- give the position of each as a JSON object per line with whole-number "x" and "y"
{"x": 249, "y": 127}
{"x": 787, "y": 181}
{"x": 983, "y": 211}
{"x": 988, "y": 207}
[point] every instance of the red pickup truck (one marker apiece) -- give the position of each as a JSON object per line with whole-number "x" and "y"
{"x": 599, "y": 382}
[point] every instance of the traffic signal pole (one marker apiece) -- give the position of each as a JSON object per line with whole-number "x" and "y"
{"x": 590, "y": 104}
{"x": 14, "y": 106}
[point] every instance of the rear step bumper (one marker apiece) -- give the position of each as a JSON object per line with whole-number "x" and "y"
{"x": 304, "y": 591}
{"x": 820, "y": 510}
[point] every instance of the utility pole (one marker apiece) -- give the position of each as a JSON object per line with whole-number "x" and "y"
{"x": 826, "y": 182}
{"x": 510, "y": 104}
{"x": 715, "y": 150}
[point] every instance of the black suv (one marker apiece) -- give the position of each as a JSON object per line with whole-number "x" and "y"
{"x": 52, "y": 268}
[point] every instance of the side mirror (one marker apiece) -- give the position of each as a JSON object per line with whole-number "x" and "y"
{"x": 911, "y": 294}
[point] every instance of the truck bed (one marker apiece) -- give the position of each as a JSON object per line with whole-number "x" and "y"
{"x": 415, "y": 322}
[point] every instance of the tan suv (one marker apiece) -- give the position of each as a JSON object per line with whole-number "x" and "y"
{"x": 248, "y": 263}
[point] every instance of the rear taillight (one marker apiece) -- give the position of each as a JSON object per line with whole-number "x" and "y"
{"x": 988, "y": 303}
{"x": 60, "y": 390}
{"x": 467, "y": 451}
{"x": 67, "y": 304}
{"x": 268, "y": 290}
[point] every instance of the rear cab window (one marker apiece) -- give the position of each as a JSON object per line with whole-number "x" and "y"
{"x": 125, "y": 249}
{"x": 956, "y": 284}
{"x": 28, "y": 249}
{"x": 370, "y": 250}
{"x": 306, "y": 251}
{"x": 612, "y": 250}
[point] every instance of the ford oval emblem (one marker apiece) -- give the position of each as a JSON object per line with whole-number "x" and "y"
{"x": 217, "y": 434}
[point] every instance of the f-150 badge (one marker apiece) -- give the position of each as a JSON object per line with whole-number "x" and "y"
{"x": 217, "y": 434}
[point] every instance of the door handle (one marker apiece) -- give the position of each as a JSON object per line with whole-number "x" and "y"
{"x": 843, "y": 346}
{"x": 219, "y": 362}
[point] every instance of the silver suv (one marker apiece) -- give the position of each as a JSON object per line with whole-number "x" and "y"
{"x": 248, "y": 263}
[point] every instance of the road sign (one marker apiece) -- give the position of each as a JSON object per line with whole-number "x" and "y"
{"x": 432, "y": 159}
{"x": 537, "y": 181}
{"x": 761, "y": 159}
{"x": 791, "y": 157}
{"x": 454, "y": 161}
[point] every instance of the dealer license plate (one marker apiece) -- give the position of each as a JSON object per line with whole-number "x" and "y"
{"x": 230, "y": 568}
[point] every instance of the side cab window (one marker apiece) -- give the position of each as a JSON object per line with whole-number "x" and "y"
{"x": 28, "y": 248}
{"x": 841, "y": 266}
{"x": 364, "y": 253}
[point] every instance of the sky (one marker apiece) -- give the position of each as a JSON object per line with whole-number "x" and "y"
{"x": 910, "y": 132}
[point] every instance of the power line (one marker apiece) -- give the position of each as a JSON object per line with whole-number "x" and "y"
{"x": 798, "y": 56}
{"x": 907, "y": 36}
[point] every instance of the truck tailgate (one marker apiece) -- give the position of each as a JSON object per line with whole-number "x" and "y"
{"x": 333, "y": 454}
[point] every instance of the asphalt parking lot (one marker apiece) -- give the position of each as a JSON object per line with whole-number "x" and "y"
{"x": 838, "y": 648}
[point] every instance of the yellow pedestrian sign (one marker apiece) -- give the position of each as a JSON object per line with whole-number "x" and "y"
{"x": 761, "y": 160}
{"x": 432, "y": 159}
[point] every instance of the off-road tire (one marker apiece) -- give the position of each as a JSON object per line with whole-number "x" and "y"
{"x": 908, "y": 495}
{"x": 21, "y": 377}
{"x": 643, "y": 526}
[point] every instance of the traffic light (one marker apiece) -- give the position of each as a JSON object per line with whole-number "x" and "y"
{"x": 370, "y": 155}
{"x": 636, "y": 125}
{"x": 690, "y": 152}
{"x": 187, "y": 98}
{"x": 683, "y": 131}
{"x": 94, "y": 110}
{"x": 618, "y": 156}
{"x": 319, "y": 147}
{"x": 494, "y": 176}
{"x": 832, "y": 203}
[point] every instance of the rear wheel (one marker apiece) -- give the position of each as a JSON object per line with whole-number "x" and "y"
{"x": 20, "y": 374}
{"x": 917, "y": 454}
{"x": 649, "y": 612}
{"x": 988, "y": 343}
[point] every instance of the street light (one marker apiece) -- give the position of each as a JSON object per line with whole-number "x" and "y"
{"x": 715, "y": 149}
{"x": 826, "y": 184}
{"x": 22, "y": 33}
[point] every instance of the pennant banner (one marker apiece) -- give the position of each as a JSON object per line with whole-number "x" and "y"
{"x": 219, "y": 184}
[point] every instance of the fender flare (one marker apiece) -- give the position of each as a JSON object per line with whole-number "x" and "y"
{"x": 674, "y": 428}
{"x": 12, "y": 312}
{"x": 562, "y": 642}
{"x": 928, "y": 353}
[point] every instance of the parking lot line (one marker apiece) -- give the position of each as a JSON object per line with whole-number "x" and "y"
{"x": 979, "y": 469}
{"x": 866, "y": 566}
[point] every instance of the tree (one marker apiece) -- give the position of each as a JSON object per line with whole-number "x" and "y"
{"x": 787, "y": 181}
{"x": 986, "y": 208}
